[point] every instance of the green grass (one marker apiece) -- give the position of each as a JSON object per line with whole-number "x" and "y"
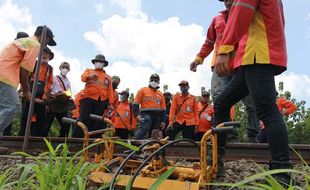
{"x": 55, "y": 169}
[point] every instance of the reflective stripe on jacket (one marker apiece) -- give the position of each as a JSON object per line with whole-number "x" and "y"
{"x": 123, "y": 114}
{"x": 205, "y": 117}
{"x": 150, "y": 99}
{"x": 184, "y": 112}
{"x": 213, "y": 38}
{"x": 258, "y": 27}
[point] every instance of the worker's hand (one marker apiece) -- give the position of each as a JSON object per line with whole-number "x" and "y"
{"x": 221, "y": 65}
{"x": 27, "y": 95}
{"x": 283, "y": 111}
{"x": 162, "y": 126}
{"x": 193, "y": 66}
{"x": 92, "y": 77}
{"x": 138, "y": 118}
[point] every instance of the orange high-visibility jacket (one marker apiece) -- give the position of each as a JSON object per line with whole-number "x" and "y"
{"x": 116, "y": 98}
{"x": 21, "y": 53}
{"x": 77, "y": 99}
{"x": 45, "y": 75}
{"x": 124, "y": 113}
{"x": 214, "y": 38}
{"x": 258, "y": 27}
{"x": 285, "y": 106}
{"x": 184, "y": 112}
{"x": 101, "y": 88}
{"x": 150, "y": 99}
{"x": 205, "y": 116}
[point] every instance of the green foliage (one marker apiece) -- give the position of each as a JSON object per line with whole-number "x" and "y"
{"x": 5, "y": 178}
{"x": 58, "y": 171}
{"x": 241, "y": 115}
{"x": 298, "y": 123}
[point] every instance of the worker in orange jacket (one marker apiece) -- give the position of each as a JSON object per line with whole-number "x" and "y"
{"x": 8, "y": 129}
{"x": 183, "y": 114}
{"x": 124, "y": 120}
{"x": 17, "y": 61}
{"x": 115, "y": 82}
{"x": 45, "y": 82}
{"x": 205, "y": 113}
{"x": 97, "y": 95}
{"x": 153, "y": 108}
{"x": 257, "y": 26}
{"x": 285, "y": 107}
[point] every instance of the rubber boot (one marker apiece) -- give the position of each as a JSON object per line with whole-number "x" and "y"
{"x": 283, "y": 178}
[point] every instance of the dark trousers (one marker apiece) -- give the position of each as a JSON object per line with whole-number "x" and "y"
{"x": 261, "y": 137}
{"x": 252, "y": 119}
{"x": 258, "y": 81}
{"x": 188, "y": 131}
{"x": 64, "y": 128}
{"x": 149, "y": 122}
{"x": 122, "y": 133}
{"x": 8, "y": 130}
{"x": 37, "y": 127}
{"x": 89, "y": 106}
{"x": 199, "y": 135}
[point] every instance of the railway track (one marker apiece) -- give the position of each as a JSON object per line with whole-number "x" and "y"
{"x": 257, "y": 152}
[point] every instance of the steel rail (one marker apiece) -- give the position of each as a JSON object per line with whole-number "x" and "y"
{"x": 257, "y": 152}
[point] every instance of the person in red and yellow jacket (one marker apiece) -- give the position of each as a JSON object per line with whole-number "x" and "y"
{"x": 257, "y": 26}
{"x": 205, "y": 114}
{"x": 285, "y": 107}
{"x": 153, "y": 108}
{"x": 183, "y": 114}
{"x": 97, "y": 95}
{"x": 124, "y": 120}
{"x": 218, "y": 82}
{"x": 45, "y": 81}
{"x": 213, "y": 38}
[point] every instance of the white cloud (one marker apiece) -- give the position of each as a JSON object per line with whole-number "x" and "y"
{"x": 142, "y": 47}
{"x": 298, "y": 85}
{"x": 131, "y": 7}
{"x": 13, "y": 19}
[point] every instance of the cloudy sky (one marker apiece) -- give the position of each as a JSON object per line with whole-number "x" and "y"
{"x": 141, "y": 37}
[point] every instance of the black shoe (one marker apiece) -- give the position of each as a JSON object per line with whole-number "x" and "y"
{"x": 285, "y": 179}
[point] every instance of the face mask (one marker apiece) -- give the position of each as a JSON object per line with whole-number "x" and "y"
{"x": 64, "y": 71}
{"x": 45, "y": 60}
{"x": 153, "y": 84}
{"x": 122, "y": 98}
{"x": 98, "y": 65}
{"x": 114, "y": 85}
{"x": 184, "y": 90}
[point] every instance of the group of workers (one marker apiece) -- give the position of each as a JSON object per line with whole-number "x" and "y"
{"x": 249, "y": 47}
